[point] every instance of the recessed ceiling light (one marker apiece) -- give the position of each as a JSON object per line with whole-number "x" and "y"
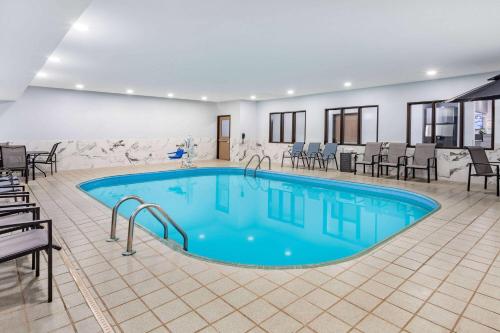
{"x": 80, "y": 27}
{"x": 431, "y": 72}
{"x": 204, "y": 98}
{"x": 130, "y": 91}
{"x": 290, "y": 92}
{"x": 347, "y": 84}
{"x": 79, "y": 86}
{"x": 170, "y": 95}
{"x": 253, "y": 97}
{"x": 54, "y": 59}
{"x": 41, "y": 74}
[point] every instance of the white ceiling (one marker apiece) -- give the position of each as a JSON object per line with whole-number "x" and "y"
{"x": 29, "y": 31}
{"x": 230, "y": 49}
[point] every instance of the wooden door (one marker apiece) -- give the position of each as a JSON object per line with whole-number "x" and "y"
{"x": 336, "y": 133}
{"x": 351, "y": 128}
{"x": 223, "y": 135}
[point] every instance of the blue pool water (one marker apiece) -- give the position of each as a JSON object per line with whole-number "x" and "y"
{"x": 274, "y": 219}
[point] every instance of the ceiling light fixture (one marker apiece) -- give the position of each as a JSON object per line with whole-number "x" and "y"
{"x": 41, "y": 74}
{"x": 431, "y": 72}
{"x": 253, "y": 97}
{"x": 204, "y": 98}
{"x": 347, "y": 84}
{"x": 54, "y": 59}
{"x": 290, "y": 92}
{"x": 170, "y": 95}
{"x": 80, "y": 27}
{"x": 130, "y": 91}
{"x": 79, "y": 86}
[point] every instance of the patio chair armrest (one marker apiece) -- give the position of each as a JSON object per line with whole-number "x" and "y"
{"x": 15, "y": 195}
{"x": 16, "y": 210}
{"x": 17, "y": 204}
{"x": 13, "y": 186}
{"x": 25, "y": 224}
{"x": 404, "y": 158}
{"x": 477, "y": 163}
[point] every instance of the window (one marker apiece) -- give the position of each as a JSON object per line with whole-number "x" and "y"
{"x": 478, "y": 124}
{"x": 434, "y": 122}
{"x": 351, "y": 125}
{"x": 287, "y": 127}
{"x": 451, "y": 125}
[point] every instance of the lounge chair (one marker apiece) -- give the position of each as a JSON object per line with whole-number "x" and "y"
{"x": 31, "y": 241}
{"x": 424, "y": 158}
{"x": 312, "y": 153}
{"x": 14, "y": 159}
{"x": 395, "y": 158}
{"x": 370, "y": 157}
{"x": 483, "y": 167}
{"x": 324, "y": 157}
{"x": 294, "y": 153}
{"x": 46, "y": 159}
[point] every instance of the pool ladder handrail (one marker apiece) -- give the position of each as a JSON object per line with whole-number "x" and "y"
{"x": 258, "y": 164}
{"x": 148, "y": 206}
{"x": 143, "y": 205}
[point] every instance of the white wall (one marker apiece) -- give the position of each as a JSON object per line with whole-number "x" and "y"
{"x": 56, "y": 114}
{"x": 392, "y": 101}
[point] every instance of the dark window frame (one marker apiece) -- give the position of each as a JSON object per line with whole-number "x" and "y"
{"x": 342, "y": 112}
{"x": 460, "y": 133}
{"x": 282, "y": 128}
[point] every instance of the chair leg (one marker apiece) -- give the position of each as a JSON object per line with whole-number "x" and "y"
{"x": 49, "y": 272}
{"x": 37, "y": 263}
{"x": 468, "y": 178}
{"x": 282, "y": 158}
{"x": 336, "y": 163}
{"x": 55, "y": 162}
{"x": 51, "y": 169}
{"x": 355, "y": 167}
{"x": 387, "y": 170}
{"x": 397, "y": 175}
{"x": 378, "y": 171}
{"x": 364, "y": 168}
{"x": 325, "y": 164}
{"x": 485, "y": 183}
{"x": 406, "y": 173}
{"x": 33, "y": 263}
{"x": 498, "y": 186}
{"x": 373, "y": 170}
{"x": 413, "y": 172}
{"x": 428, "y": 174}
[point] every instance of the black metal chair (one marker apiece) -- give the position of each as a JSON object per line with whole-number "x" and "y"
{"x": 370, "y": 157}
{"x": 312, "y": 153}
{"x": 31, "y": 241}
{"x": 424, "y": 158}
{"x": 328, "y": 154}
{"x": 294, "y": 153}
{"x": 483, "y": 167}
{"x": 14, "y": 159}
{"x": 47, "y": 159}
{"x": 395, "y": 158}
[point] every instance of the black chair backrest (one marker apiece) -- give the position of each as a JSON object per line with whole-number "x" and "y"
{"x": 52, "y": 152}
{"x": 13, "y": 157}
{"x": 480, "y": 160}
{"x": 297, "y": 148}
{"x": 330, "y": 150}
{"x": 313, "y": 148}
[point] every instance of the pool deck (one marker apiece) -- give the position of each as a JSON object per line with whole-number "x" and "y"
{"x": 441, "y": 275}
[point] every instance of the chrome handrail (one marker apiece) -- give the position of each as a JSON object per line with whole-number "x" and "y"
{"x": 131, "y": 224}
{"x": 260, "y": 162}
{"x": 114, "y": 216}
{"x": 250, "y": 160}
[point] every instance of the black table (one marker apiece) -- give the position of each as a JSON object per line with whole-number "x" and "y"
{"x": 32, "y": 155}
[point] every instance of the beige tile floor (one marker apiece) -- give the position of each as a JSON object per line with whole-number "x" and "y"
{"x": 441, "y": 275}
